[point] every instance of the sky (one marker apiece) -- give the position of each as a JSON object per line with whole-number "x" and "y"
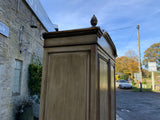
{"x": 118, "y": 17}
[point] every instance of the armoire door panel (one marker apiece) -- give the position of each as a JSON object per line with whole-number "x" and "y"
{"x": 103, "y": 86}
{"x": 66, "y": 95}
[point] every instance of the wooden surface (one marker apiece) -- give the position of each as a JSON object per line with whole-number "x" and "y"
{"x": 113, "y": 101}
{"x": 66, "y": 97}
{"x": 80, "y": 36}
{"x": 76, "y": 83}
{"x": 104, "y": 98}
{"x": 64, "y": 41}
{"x": 76, "y": 32}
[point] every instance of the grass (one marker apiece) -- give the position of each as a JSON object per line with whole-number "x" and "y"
{"x": 143, "y": 89}
{"x": 146, "y": 87}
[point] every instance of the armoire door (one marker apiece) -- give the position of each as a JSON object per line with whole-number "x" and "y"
{"x": 67, "y": 86}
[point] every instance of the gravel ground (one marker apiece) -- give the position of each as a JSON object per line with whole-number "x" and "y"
{"x": 138, "y": 105}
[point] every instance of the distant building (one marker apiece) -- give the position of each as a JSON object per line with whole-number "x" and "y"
{"x": 22, "y": 23}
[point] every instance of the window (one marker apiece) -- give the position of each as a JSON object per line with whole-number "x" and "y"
{"x": 17, "y": 77}
{"x": 18, "y": 5}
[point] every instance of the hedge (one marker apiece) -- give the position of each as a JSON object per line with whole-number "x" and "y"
{"x": 35, "y": 76}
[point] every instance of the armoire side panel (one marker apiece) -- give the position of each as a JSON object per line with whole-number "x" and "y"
{"x": 113, "y": 93}
{"x": 66, "y": 94}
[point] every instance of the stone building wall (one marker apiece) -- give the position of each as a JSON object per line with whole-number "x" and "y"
{"x": 16, "y": 14}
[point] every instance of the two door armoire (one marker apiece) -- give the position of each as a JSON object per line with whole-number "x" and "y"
{"x": 78, "y": 80}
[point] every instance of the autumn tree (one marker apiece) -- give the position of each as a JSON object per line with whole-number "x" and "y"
{"x": 152, "y": 54}
{"x": 127, "y": 63}
{"x": 131, "y": 54}
{"x": 121, "y": 64}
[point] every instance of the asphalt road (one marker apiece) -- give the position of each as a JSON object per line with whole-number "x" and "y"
{"x": 138, "y": 105}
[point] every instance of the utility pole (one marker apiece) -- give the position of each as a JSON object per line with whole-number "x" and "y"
{"x": 139, "y": 58}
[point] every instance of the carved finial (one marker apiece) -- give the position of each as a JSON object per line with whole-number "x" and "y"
{"x": 94, "y": 21}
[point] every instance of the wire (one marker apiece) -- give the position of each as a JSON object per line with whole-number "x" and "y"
{"x": 131, "y": 37}
{"x": 122, "y": 28}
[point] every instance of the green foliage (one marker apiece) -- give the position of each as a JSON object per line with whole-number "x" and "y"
{"x": 144, "y": 82}
{"x": 152, "y": 54}
{"x": 124, "y": 76}
{"x": 146, "y": 73}
{"x": 36, "y": 59}
{"x": 35, "y": 76}
{"x": 144, "y": 89}
{"x": 133, "y": 83}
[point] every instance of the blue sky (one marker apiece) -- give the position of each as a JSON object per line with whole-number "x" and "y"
{"x": 118, "y": 17}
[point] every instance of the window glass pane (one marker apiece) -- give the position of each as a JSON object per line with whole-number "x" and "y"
{"x": 16, "y": 81}
{"x": 18, "y": 64}
{"x": 17, "y": 77}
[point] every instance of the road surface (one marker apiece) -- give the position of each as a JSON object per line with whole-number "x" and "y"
{"x": 138, "y": 105}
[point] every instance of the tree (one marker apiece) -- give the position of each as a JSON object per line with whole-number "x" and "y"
{"x": 124, "y": 76}
{"x": 146, "y": 73}
{"x": 152, "y": 54}
{"x": 121, "y": 64}
{"x": 127, "y": 63}
{"x": 131, "y": 54}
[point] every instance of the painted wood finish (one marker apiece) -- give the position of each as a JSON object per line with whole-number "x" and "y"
{"x": 66, "y": 95}
{"x": 113, "y": 99}
{"x": 77, "y": 80}
{"x": 103, "y": 81}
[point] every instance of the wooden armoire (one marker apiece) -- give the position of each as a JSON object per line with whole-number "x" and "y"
{"x": 78, "y": 80}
